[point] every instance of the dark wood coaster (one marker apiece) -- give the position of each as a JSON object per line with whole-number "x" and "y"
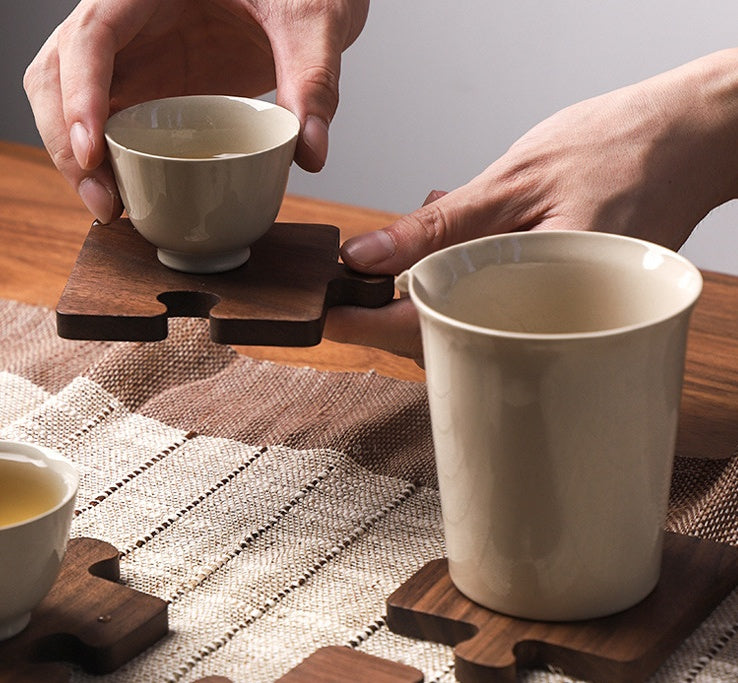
{"x": 119, "y": 291}
{"x": 33, "y": 672}
{"x": 338, "y": 664}
{"x": 87, "y": 619}
{"x": 623, "y": 648}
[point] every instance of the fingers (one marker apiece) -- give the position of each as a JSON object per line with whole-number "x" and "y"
{"x": 84, "y": 84}
{"x": 307, "y": 70}
{"x": 394, "y": 327}
{"x": 445, "y": 219}
{"x": 96, "y": 188}
{"x": 68, "y": 85}
{"x": 307, "y": 44}
{"x": 88, "y": 43}
{"x": 479, "y": 208}
{"x": 512, "y": 194}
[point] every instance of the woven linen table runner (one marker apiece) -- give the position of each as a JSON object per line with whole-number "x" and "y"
{"x": 274, "y": 508}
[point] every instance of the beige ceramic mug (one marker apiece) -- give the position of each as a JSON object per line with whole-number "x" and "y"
{"x": 202, "y": 177}
{"x": 37, "y": 494}
{"x": 554, "y": 367}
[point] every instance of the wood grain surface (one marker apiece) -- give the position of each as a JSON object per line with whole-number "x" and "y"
{"x": 119, "y": 291}
{"x": 624, "y": 648}
{"x": 337, "y": 664}
{"x": 87, "y": 618}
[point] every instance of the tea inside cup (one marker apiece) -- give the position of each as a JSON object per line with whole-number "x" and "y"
{"x": 37, "y": 494}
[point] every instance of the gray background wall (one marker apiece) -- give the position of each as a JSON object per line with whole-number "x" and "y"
{"x": 433, "y": 91}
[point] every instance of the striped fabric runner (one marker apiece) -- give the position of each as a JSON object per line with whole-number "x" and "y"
{"x": 274, "y": 508}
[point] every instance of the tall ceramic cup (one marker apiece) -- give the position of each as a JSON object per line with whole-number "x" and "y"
{"x": 202, "y": 177}
{"x": 554, "y": 367}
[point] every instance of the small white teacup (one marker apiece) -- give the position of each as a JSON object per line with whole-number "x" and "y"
{"x": 202, "y": 177}
{"x": 37, "y": 493}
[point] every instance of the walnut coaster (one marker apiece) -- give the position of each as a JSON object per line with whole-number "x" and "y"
{"x": 339, "y": 664}
{"x": 119, "y": 291}
{"x": 624, "y": 648}
{"x": 87, "y": 618}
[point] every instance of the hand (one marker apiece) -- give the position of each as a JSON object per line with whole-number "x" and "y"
{"x": 650, "y": 160}
{"x": 110, "y": 54}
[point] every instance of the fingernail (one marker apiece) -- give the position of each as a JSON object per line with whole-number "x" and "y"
{"x": 80, "y": 139}
{"x": 98, "y": 199}
{"x": 315, "y": 135}
{"x": 369, "y": 249}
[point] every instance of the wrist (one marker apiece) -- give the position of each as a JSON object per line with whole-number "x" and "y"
{"x": 708, "y": 94}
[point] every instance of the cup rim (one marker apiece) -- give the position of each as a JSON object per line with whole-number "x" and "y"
{"x": 259, "y": 105}
{"x": 407, "y": 281}
{"x": 71, "y": 473}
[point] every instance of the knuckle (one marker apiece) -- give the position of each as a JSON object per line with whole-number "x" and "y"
{"x": 68, "y": 31}
{"x": 60, "y": 152}
{"x": 326, "y": 82}
{"x": 31, "y": 77}
{"x": 40, "y": 71}
{"x": 430, "y": 225}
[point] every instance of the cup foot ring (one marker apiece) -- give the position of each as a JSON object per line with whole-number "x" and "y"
{"x": 198, "y": 263}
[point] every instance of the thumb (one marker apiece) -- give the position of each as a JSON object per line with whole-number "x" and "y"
{"x": 309, "y": 89}
{"x": 443, "y": 220}
{"x": 307, "y": 61}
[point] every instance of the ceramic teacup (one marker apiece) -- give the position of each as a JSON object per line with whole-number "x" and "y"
{"x": 202, "y": 177}
{"x": 554, "y": 368}
{"x": 37, "y": 494}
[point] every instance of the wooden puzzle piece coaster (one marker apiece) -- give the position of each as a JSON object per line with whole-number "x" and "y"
{"x": 338, "y": 664}
{"x": 624, "y": 648}
{"x": 119, "y": 291}
{"x": 87, "y": 619}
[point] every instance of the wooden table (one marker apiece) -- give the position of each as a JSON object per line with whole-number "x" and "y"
{"x": 43, "y": 225}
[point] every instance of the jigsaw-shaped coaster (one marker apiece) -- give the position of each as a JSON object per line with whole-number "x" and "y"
{"x": 119, "y": 291}
{"x": 624, "y": 648}
{"x": 337, "y": 664}
{"x": 87, "y": 619}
